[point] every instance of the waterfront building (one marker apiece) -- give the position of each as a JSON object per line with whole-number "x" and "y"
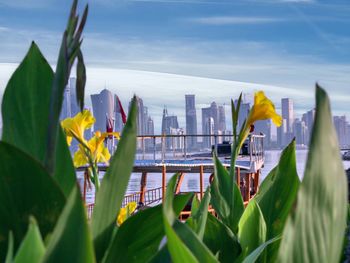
{"x": 209, "y": 129}
{"x": 286, "y": 132}
{"x": 168, "y": 122}
{"x": 103, "y": 108}
{"x": 264, "y": 127}
{"x": 300, "y": 132}
{"x": 341, "y": 126}
{"x": 191, "y": 121}
{"x": 243, "y": 114}
{"x": 221, "y": 118}
{"x": 177, "y": 143}
{"x": 210, "y": 112}
{"x": 309, "y": 118}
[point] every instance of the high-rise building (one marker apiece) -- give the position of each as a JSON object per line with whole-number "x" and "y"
{"x": 70, "y": 106}
{"x": 191, "y": 120}
{"x": 264, "y": 127}
{"x": 309, "y": 118}
{"x": 341, "y": 126}
{"x": 210, "y": 112}
{"x": 168, "y": 122}
{"x": 300, "y": 132}
{"x": 222, "y": 119}
{"x": 288, "y": 115}
{"x": 103, "y": 108}
{"x": 243, "y": 114}
{"x": 209, "y": 129}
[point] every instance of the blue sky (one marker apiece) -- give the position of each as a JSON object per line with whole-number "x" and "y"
{"x": 287, "y": 45}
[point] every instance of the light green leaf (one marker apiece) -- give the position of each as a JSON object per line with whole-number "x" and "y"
{"x": 253, "y": 257}
{"x": 25, "y": 189}
{"x": 277, "y": 195}
{"x": 25, "y": 108}
{"x": 251, "y": 228}
{"x": 71, "y": 240}
{"x": 32, "y": 248}
{"x": 9, "y": 255}
{"x": 315, "y": 232}
{"x": 114, "y": 184}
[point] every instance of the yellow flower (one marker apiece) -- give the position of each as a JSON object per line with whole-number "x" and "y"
{"x": 96, "y": 149}
{"x": 263, "y": 109}
{"x": 126, "y": 212}
{"x": 75, "y": 127}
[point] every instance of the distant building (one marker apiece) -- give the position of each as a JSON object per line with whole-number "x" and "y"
{"x": 70, "y": 106}
{"x": 103, "y": 107}
{"x": 209, "y": 129}
{"x": 243, "y": 114}
{"x": 169, "y": 122}
{"x": 211, "y": 112}
{"x": 222, "y": 119}
{"x": 341, "y": 126}
{"x": 191, "y": 120}
{"x": 264, "y": 127}
{"x": 177, "y": 143}
{"x": 286, "y": 132}
{"x": 300, "y": 132}
{"x": 309, "y": 118}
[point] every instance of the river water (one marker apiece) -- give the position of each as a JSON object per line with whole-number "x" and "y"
{"x": 191, "y": 181}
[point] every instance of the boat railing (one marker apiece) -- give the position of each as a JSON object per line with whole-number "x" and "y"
{"x": 164, "y": 147}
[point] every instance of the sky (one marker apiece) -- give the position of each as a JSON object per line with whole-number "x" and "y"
{"x": 164, "y": 49}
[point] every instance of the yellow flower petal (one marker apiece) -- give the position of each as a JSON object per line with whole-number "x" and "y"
{"x": 79, "y": 158}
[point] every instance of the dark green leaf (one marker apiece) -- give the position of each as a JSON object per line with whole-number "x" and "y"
{"x": 25, "y": 189}
{"x": 25, "y": 108}
{"x": 253, "y": 257}
{"x": 315, "y": 232}
{"x": 113, "y": 187}
{"x": 71, "y": 240}
{"x": 138, "y": 238}
{"x": 81, "y": 80}
{"x": 277, "y": 195}
{"x": 9, "y": 255}
{"x": 220, "y": 240}
{"x": 251, "y": 228}
{"x": 32, "y": 248}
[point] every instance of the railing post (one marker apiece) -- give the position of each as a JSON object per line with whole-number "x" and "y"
{"x": 163, "y": 182}
{"x": 143, "y": 187}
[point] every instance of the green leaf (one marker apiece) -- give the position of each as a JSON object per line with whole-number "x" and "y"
{"x": 226, "y": 197}
{"x": 253, "y": 257}
{"x": 32, "y": 248}
{"x": 9, "y": 255}
{"x": 25, "y": 189}
{"x": 71, "y": 240}
{"x": 138, "y": 238}
{"x": 251, "y": 228}
{"x": 315, "y": 232}
{"x": 113, "y": 187}
{"x": 183, "y": 244}
{"x": 220, "y": 240}
{"x": 199, "y": 215}
{"x": 25, "y": 108}
{"x": 81, "y": 80}
{"x": 277, "y": 195}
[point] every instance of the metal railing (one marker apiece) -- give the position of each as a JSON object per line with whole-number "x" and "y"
{"x": 163, "y": 147}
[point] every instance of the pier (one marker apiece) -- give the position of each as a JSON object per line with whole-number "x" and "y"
{"x": 166, "y": 155}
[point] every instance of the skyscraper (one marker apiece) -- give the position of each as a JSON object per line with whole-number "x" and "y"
{"x": 70, "y": 106}
{"x": 341, "y": 126}
{"x": 210, "y": 112}
{"x": 191, "y": 120}
{"x": 264, "y": 127}
{"x": 208, "y": 130}
{"x": 169, "y": 122}
{"x": 222, "y": 119}
{"x": 300, "y": 132}
{"x": 103, "y": 107}
{"x": 288, "y": 115}
{"x": 243, "y": 114}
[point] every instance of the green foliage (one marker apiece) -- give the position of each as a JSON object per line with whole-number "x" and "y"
{"x": 114, "y": 184}
{"x": 314, "y": 232}
{"x": 283, "y": 223}
{"x": 277, "y": 195}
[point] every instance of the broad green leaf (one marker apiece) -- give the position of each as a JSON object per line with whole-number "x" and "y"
{"x": 253, "y": 257}
{"x": 220, "y": 240}
{"x": 25, "y": 189}
{"x": 277, "y": 195}
{"x": 199, "y": 215}
{"x": 138, "y": 238}
{"x": 25, "y": 108}
{"x": 251, "y": 228}
{"x": 226, "y": 197}
{"x": 114, "y": 184}
{"x": 315, "y": 232}
{"x": 71, "y": 240}
{"x": 9, "y": 255}
{"x": 32, "y": 248}
{"x": 183, "y": 244}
